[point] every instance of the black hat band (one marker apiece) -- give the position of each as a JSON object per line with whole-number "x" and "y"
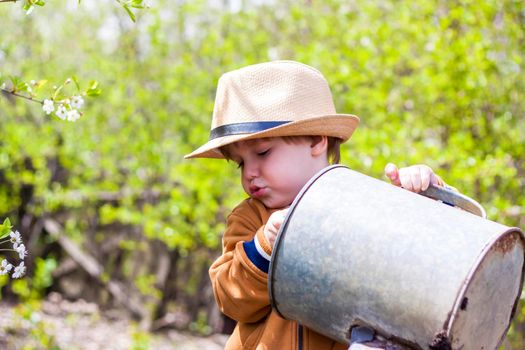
{"x": 243, "y": 128}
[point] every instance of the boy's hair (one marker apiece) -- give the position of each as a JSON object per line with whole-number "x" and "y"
{"x": 333, "y": 149}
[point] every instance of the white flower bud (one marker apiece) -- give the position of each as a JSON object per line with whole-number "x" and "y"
{"x": 48, "y": 106}
{"x": 61, "y": 112}
{"x": 5, "y": 267}
{"x": 77, "y": 101}
{"x": 21, "y": 250}
{"x": 73, "y": 115}
{"x": 20, "y": 270}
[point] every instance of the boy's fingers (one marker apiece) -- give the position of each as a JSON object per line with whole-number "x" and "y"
{"x": 415, "y": 178}
{"x": 392, "y": 173}
{"x": 404, "y": 179}
{"x": 277, "y": 218}
{"x": 426, "y": 175}
{"x": 433, "y": 178}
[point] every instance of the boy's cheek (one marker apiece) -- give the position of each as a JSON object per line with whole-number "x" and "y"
{"x": 245, "y": 187}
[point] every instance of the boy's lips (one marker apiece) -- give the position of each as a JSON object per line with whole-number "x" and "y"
{"x": 257, "y": 191}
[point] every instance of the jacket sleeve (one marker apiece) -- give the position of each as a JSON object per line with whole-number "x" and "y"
{"x": 240, "y": 275}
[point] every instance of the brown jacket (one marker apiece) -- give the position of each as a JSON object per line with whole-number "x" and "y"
{"x": 240, "y": 284}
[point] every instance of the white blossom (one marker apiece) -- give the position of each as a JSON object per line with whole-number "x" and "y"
{"x": 5, "y": 267}
{"x": 16, "y": 238}
{"x": 73, "y": 115}
{"x": 61, "y": 112}
{"x": 21, "y": 250}
{"x": 77, "y": 101}
{"x": 20, "y": 270}
{"x": 48, "y": 106}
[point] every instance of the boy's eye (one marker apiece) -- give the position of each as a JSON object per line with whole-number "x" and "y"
{"x": 263, "y": 153}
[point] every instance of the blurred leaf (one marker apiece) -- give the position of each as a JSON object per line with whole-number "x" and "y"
{"x": 130, "y": 13}
{"x": 94, "y": 89}
{"x": 5, "y": 228}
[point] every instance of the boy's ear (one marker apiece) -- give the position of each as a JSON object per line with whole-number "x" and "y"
{"x": 319, "y": 145}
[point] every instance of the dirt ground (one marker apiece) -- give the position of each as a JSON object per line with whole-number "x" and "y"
{"x": 65, "y": 325}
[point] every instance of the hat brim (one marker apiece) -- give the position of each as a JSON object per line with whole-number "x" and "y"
{"x": 337, "y": 125}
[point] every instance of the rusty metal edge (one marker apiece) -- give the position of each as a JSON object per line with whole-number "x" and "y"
{"x": 449, "y": 323}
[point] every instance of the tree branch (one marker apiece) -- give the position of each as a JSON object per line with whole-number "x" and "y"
{"x": 12, "y": 92}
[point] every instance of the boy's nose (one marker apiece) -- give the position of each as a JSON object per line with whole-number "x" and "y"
{"x": 251, "y": 171}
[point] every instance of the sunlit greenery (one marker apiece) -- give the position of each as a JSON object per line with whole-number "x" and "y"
{"x": 440, "y": 83}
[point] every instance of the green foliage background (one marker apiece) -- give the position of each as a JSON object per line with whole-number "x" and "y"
{"x": 435, "y": 82}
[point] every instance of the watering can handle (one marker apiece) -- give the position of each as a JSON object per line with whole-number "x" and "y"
{"x": 455, "y": 199}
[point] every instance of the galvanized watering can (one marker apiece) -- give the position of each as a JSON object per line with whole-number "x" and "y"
{"x": 356, "y": 251}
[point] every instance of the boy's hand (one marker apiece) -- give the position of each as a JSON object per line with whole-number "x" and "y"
{"x": 273, "y": 225}
{"x": 415, "y": 178}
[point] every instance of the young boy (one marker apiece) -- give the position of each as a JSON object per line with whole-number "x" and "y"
{"x": 277, "y": 121}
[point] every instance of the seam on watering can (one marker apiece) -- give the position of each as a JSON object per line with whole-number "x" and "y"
{"x": 257, "y": 259}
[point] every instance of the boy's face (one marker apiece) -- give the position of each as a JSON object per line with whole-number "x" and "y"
{"x": 274, "y": 171}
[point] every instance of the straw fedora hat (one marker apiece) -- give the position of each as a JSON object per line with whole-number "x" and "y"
{"x": 278, "y": 98}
